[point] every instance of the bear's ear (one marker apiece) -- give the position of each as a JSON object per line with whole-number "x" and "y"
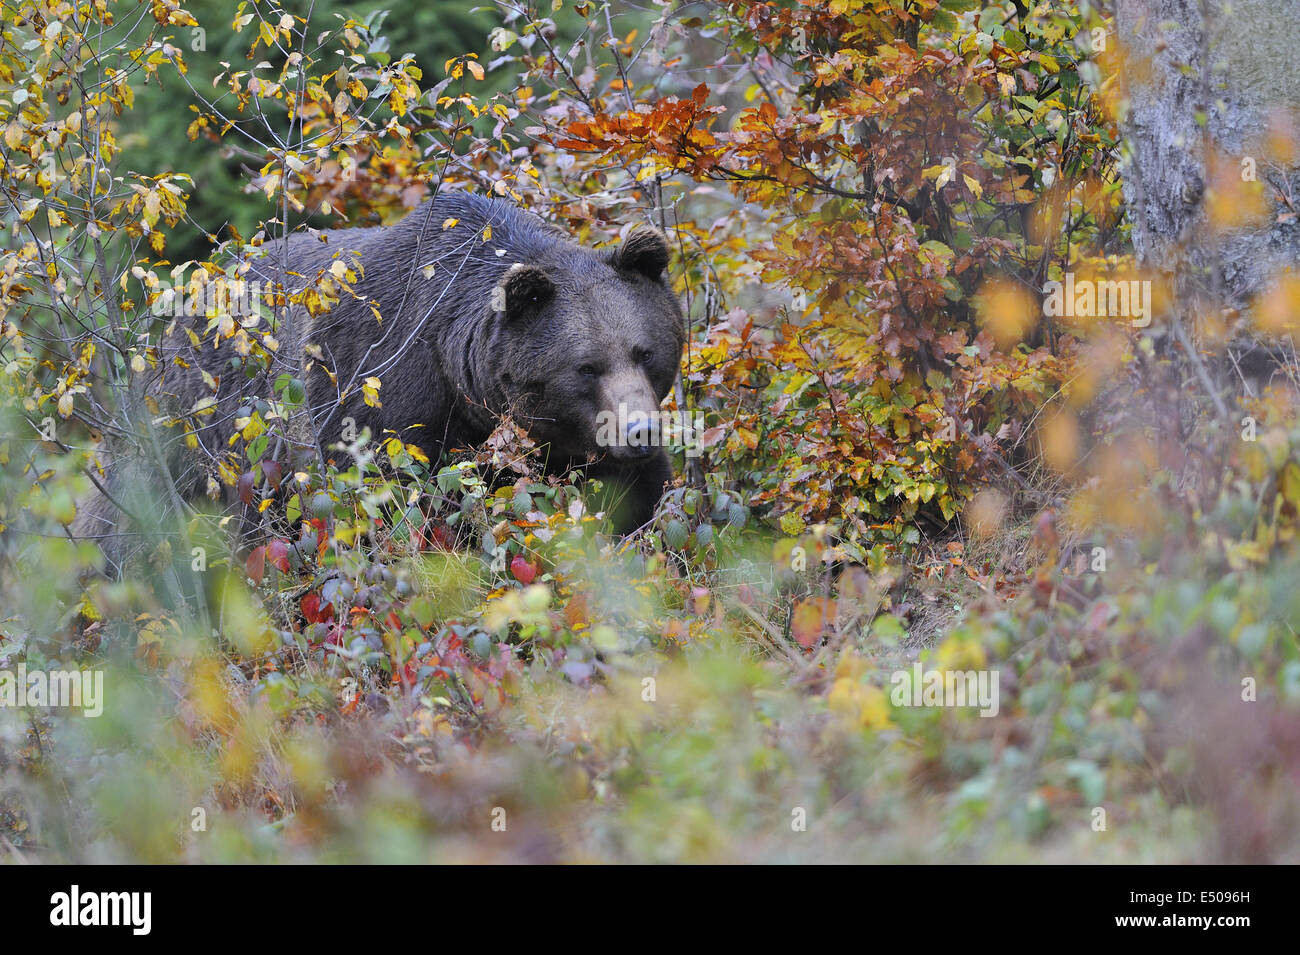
{"x": 522, "y": 290}
{"x": 644, "y": 251}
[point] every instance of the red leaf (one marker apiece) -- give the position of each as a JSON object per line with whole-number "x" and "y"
{"x": 524, "y": 572}
{"x": 811, "y": 618}
{"x": 245, "y": 487}
{"x": 256, "y": 563}
{"x": 278, "y": 552}
{"x": 314, "y": 611}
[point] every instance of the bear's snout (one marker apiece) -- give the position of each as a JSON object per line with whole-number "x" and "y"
{"x": 639, "y": 434}
{"x": 627, "y": 426}
{"x": 628, "y": 432}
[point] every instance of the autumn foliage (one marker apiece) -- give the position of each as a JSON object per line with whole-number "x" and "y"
{"x": 906, "y": 459}
{"x": 899, "y": 172}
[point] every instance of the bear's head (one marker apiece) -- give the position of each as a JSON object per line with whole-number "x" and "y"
{"x": 587, "y": 344}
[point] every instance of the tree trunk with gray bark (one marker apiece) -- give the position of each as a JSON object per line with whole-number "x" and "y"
{"x": 1211, "y": 82}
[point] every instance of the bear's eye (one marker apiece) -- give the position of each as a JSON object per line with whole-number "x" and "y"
{"x": 590, "y": 371}
{"x": 642, "y": 356}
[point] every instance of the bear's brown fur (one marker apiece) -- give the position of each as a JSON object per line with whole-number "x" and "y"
{"x": 498, "y": 312}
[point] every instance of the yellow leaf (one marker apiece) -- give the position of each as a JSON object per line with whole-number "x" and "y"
{"x": 151, "y": 632}
{"x": 792, "y": 524}
{"x": 252, "y": 427}
{"x": 956, "y": 653}
{"x": 867, "y": 706}
{"x": 1277, "y": 311}
{"x": 88, "y": 609}
{"x": 1290, "y": 482}
{"x": 1007, "y": 310}
{"x": 1059, "y": 436}
{"x": 942, "y": 173}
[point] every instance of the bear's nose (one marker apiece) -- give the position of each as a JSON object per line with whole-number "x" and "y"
{"x": 639, "y": 435}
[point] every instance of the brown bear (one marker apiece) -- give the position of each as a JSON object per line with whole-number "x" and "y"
{"x": 466, "y": 309}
